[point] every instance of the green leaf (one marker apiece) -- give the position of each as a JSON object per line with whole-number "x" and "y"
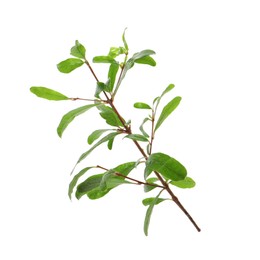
{"x": 158, "y": 99}
{"x": 124, "y": 40}
{"x": 137, "y": 137}
{"x": 113, "y": 69}
{"x": 69, "y": 65}
{"x": 78, "y": 50}
{"x": 76, "y": 178}
{"x": 104, "y": 139}
{"x": 149, "y": 213}
{"x": 116, "y": 51}
{"x": 110, "y": 116}
{"x": 142, "y": 54}
{"x": 184, "y": 184}
{"x": 169, "y": 167}
{"x": 146, "y": 60}
{"x": 96, "y": 134}
{"x": 149, "y": 201}
{"x": 47, "y": 93}
{"x": 66, "y": 119}
{"x": 141, "y": 105}
{"x": 95, "y": 189}
{"x": 148, "y": 188}
{"x": 142, "y": 127}
{"x": 167, "y": 110}
{"x": 103, "y": 59}
{"x": 110, "y": 143}
{"x": 99, "y": 88}
{"x": 129, "y": 64}
{"x": 89, "y": 184}
{"x": 169, "y": 88}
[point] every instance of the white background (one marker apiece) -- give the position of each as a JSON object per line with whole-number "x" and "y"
{"x": 210, "y": 51}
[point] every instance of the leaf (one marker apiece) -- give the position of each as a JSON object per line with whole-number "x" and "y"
{"x": 184, "y": 184}
{"x": 149, "y": 213}
{"x": 110, "y": 143}
{"x": 110, "y": 116}
{"x": 116, "y": 51}
{"x": 149, "y": 201}
{"x": 124, "y": 40}
{"x": 75, "y": 180}
{"x": 67, "y": 118}
{"x": 169, "y": 88}
{"x": 142, "y": 54}
{"x": 113, "y": 69}
{"x": 141, "y": 105}
{"x": 103, "y": 59}
{"x": 89, "y": 184}
{"x": 166, "y": 165}
{"x": 69, "y": 65}
{"x": 99, "y": 88}
{"x": 148, "y": 188}
{"x": 146, "y": 60}
{"x": 96, "y": 134}
{"x": 47, "y": 93}
{"x": 142, "y": 127}
{"x": 78, "y": 50}
{"x": 137, "y": 137}
{"x": 158, "y": 99}
{"x": 167, "y": 110}
{"x": 104, "y": 139}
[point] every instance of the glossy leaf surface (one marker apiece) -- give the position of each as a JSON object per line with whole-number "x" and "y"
{"x": 69, "y": 65}
{"x": 78, "y": 50}
{"x": 96, "y": 134}
{"x": 137, "y": 137}
{"x": 169, "y": 167}
{"x": 141, "y": 105}
{"x": 184, "y": 184}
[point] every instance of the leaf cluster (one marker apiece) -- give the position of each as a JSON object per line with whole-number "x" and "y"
{"x": 161, "y": 170}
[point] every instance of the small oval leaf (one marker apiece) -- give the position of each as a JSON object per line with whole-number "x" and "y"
{"x": 149, "y": 201}
{"x": 103, "y": 59}
{"x": 47, "y": 93}
{"x": 187, "y": 183}
{"x": 146, "y": 60}
{"x": 69, "y": 65}
{"x": 141, "y": 105}
{"x": 78, "y": 50}
{"x": 96, "y": 134}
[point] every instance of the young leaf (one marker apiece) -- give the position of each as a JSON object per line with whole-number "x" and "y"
{"x": 142, "y": 127}
{"x": 146, "y": 60}
{"x": 166, "y": 165}
{"x": 96, "y": 134}
{"x": 141, "y": 105}
{"x": 99, "y": 88}
{"x": 47, "y": 93}
{"x": 149, "y": 213}
{"x": 158, "y": 99}
{"x": 103, "y": 59}
{"x": 110, "y": 116}
{"x": 169, "y": 88}
{"x": 124, "y": 41}
{"x": 167, "y": 110}
{"x": 116, "y": 51}
{"x": 137, "y": 137}
{"x": 66, "y": 119}
{"x": 69, "y": 65}
{"x": 78, "y": 50}
{"x": 104, "y": 139}
{"x": 113, "y": 69}
{"x": 184, "y": 184}
{"x": 75, "y": 180}
{"x": 149, "y": 201}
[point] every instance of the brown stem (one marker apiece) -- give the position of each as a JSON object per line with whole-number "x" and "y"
{"x": 128, "y": 130}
